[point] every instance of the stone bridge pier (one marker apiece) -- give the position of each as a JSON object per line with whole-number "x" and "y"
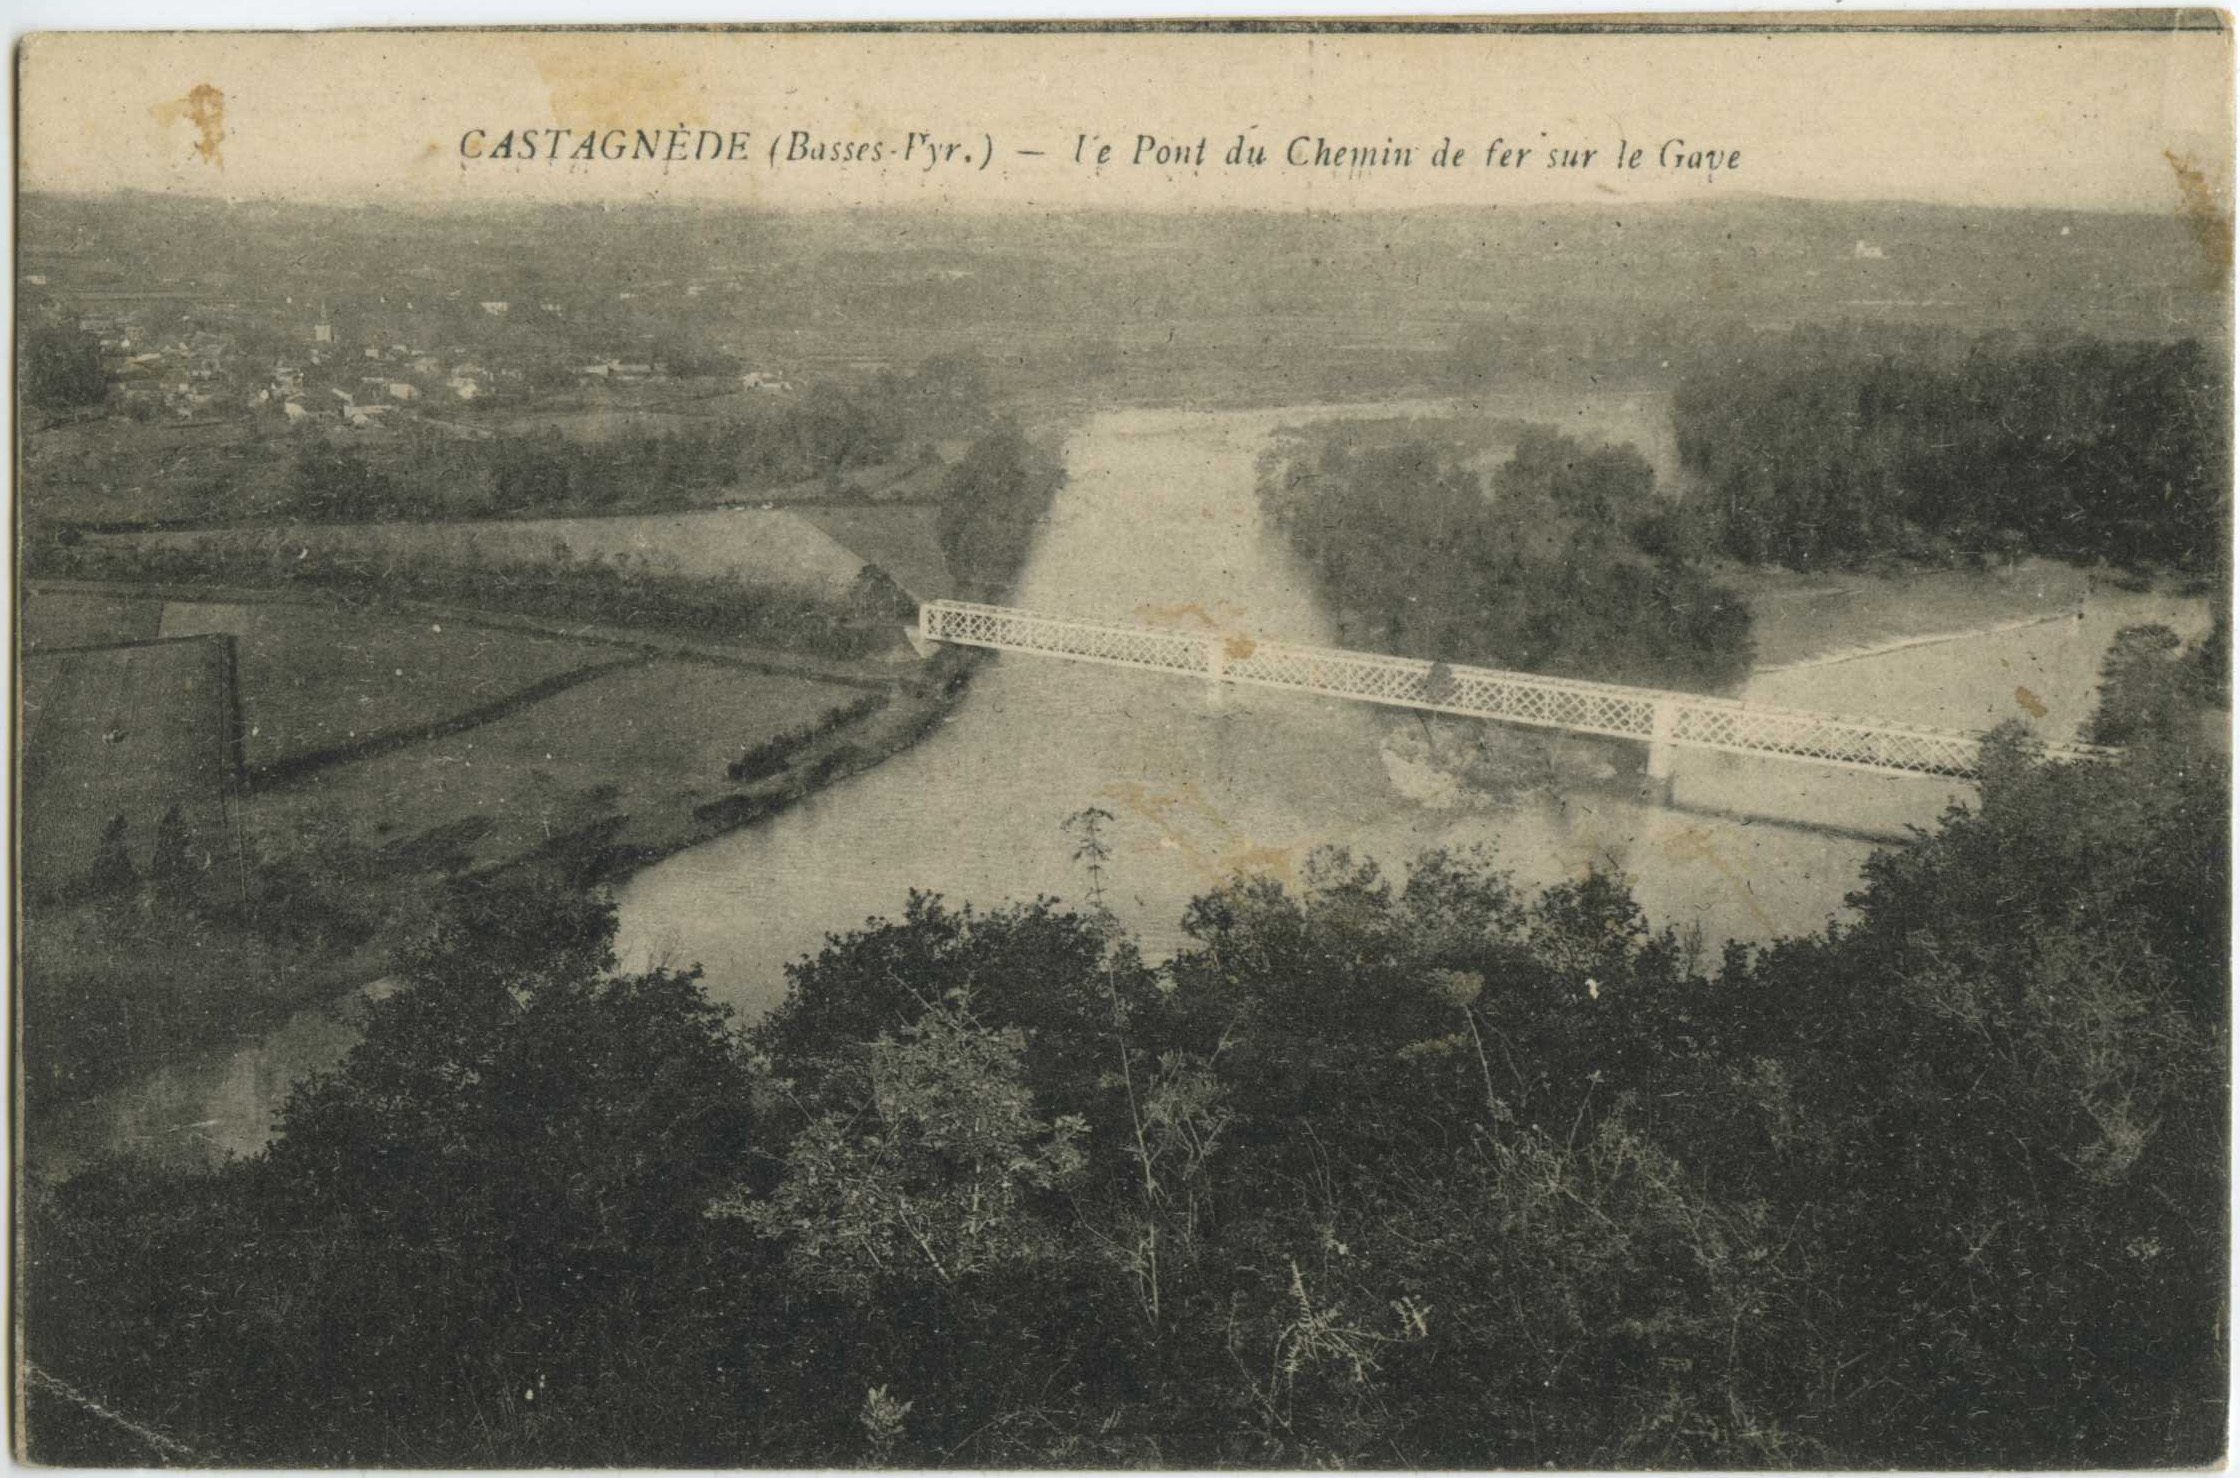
{"x": 1664, "y": 719}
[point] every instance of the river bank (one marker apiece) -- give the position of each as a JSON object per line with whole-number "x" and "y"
{"x": 222, "y": 1100}
{"x": 1159, "y": 520}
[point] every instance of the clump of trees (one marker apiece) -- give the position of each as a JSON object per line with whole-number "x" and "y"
{"x": 1822, "y": 450}
{"x": 548, "y": 1107}
{"x": 1376, "y": 1171}
{"x": 817, "y": 443}
{"x": 62, "y": 368}
{"x": 625, "y": 592}
{"x": 992, "y": 503}
{"x": 769, "y": 756}
{"x": 1569, "y": 563}
{"x": 173, "y": 939}
{"x": 828, "y": 433}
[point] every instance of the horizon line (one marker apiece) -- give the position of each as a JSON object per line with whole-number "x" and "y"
{"x": 31, "y": 193}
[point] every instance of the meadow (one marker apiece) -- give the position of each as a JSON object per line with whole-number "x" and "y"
{"x": 317, "y": 680}
{"x": 647, "y": 744}
{"x": 765, "y": 548}
{"x": 113, "y": 739}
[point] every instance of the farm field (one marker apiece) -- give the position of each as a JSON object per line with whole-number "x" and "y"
{"x": 117, "y": 470}
{"x": 595, "y": 414}
{"x": 897, "y": 481}
{"x": 315, "y": 677}
{"x": 751, "y": 547}
{"x": 1815, "y": 617}
{"x": 124, "y": 731}
{"x": 84, "y": 618}
{"x": 385, "y": 753}
{"x": 649, "y": 743}
{"x": 900, "y": 541}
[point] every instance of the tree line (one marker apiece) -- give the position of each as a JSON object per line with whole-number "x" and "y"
{"x": 60, "y": 368}
{"x": 991, "y": 505}
{"x": 625, "y": 593}
{"x": 1824, "y": 450}
{"x": 816, "y": 438}
{"x": 1376, "y": 1171}
{"x": 216, "y": 935}
{"x": 1565, "y": 560}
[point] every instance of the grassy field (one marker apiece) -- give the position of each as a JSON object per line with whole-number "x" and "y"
{"x": 387, "y": 753}
{"x": 125, "y": 731}
{"x": 394, "y": 726}
{"x": 84, "y": 618}
{"x": 649, "y": 743}
{"x": 116, "y": 469}
{"x": 751, "y": 547}
{"x": 898, "y": 540}
{"x": 1802, "y": 617}
{"x": 317, "y": 679}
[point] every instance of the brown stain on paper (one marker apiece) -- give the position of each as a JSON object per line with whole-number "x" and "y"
{"x": 2029, "y": 702}
{"x": 1232, "y": 859}
{"x": 1694, "y": 844}
{"x": 1222, "y": 614}
{"x": 1188, "y": 611}
{"x": 595, "y": 84}
{"x": 204, "y": 106}
{"x": 2210, "y": 224}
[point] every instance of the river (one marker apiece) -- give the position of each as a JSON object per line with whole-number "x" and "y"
{"x": 1159, "y": 522}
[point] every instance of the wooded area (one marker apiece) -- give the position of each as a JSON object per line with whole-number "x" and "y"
{"x": 1376, "y": 1172}
{"x": 1829, "y": 449}
{"x": 1564, "y": 561}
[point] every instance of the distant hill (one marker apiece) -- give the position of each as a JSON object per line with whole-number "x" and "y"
{"x": 1750, "y": 257}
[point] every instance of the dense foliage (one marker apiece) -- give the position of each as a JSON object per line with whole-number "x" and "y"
{"x": 630, "y": 591}
{"x": 62, "y": 368}
{"x": 124, "y": 966}
{"x": 1376, "y": 1171}
{"x": 993, "y": 502}
{"x": 814, "y": 442}
{"x": 1823, "y": 450}
{"x": 1569, "y": 563}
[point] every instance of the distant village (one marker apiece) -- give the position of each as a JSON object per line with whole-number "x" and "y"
{"x": 185, "y": 367}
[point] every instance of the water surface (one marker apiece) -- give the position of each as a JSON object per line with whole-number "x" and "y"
{"x": 1159, "y": 523}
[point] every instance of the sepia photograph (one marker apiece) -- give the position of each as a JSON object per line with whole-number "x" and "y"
{"x": 1284, "y": 744}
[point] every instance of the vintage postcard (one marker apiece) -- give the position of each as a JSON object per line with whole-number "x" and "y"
{"x": 1300, "y": 744}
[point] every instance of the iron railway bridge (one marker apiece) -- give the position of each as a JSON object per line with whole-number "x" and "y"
{"x": 1664, "y": 721}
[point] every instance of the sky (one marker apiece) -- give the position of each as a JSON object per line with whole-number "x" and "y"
{"x": 2089, "y": 120}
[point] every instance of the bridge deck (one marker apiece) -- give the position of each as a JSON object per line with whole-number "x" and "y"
{"x": 1653, "y": 716}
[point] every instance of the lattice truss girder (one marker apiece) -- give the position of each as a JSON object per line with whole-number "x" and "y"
{"x": 1682, "y": 719}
